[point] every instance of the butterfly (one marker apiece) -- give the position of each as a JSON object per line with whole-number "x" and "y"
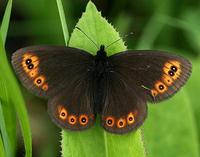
{"x": 79, "y": 86}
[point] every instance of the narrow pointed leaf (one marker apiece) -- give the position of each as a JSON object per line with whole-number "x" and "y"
{"x": 5, "y": 21}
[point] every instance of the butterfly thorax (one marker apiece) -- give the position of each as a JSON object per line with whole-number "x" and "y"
{"x": 101, "y": 66}
{"x": 101, "y": 62}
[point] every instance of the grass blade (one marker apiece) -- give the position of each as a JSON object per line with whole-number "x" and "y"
{"x": 4, "y": 133}
{"x": 5, "y": 21}
{"x": 11, "y": 86}
{"x": 63, "y": 21}
{"x": 2, "y": 150}
{"x": 15, "y": 98}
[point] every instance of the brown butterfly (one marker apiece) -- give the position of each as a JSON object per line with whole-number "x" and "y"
{"x": 79, "y": 86}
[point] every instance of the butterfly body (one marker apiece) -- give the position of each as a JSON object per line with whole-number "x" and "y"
{"x": 80, "y": 86}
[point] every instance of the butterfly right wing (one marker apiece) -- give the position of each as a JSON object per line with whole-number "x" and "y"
{"x": 155, "y": 75}
{"x": 123, "y": 109}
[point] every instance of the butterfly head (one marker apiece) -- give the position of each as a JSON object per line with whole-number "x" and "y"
{"x": 101, "y": 53}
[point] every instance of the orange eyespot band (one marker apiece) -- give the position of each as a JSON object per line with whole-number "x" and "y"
{"x": 160, "y": 87}
{"x": 83, "y": 119}
{"x": 110, "y": 121}
{"x": 72, "y": 119}
{"x": 45, "y": 87}
{"x": 39, "y": 80}
{"x": 121, "y": 123}
{"x": 29, "y": 62}
{"x": 167, "y": 80}
{"x": 130, "y": 118}
{"x": 172, "y": 68}
{"x": 33, "y": 73}
{"x": 62, "y": 112}
{"x": 154, "y": 92}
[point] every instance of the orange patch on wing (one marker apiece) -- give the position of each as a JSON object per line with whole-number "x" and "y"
{"x": 166, "y": 70}
{"x": 121, "y": 123}
{"x": 176, "y": 63}
{"x": 39, "y": 80}
{"x": 110, "y": 121}
{"x": 177, "y": 74}
{"x": 27, "y": 56}
{"x": 130, "y": 118}
{"x": 33, "y": 73}
{"x": 160, "y": 87}
{"x": 34, "y": 62}
{"x": 172, "y": 68}
{"x": 154, "y": 92}
{"x": 62, "y": 112}
{"x": 72, "y": 119}
{"x": 83, "y": 119}
{"x": 45, "y": 87}
{"x": 167, "y": 80}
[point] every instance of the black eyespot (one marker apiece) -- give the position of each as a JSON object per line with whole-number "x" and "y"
{"x": 174, "y": 68}
{"x": 30, "y": 66}
{"x": 28, "y": 61}
{"x": 72, "y": 119}
{"x": 63, "y": 114}
{"x": 130, "y": 118}
{"x": 109, "y": 121}
{"x": 39, "y": 81}
{"x": 171, "y": 73}
{"x": 121, "y": 123}
{"x": 83, "y": 120}
{"x": 161, "y": 87}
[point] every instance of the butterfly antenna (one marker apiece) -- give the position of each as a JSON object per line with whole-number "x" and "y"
{"x": 87, "y": 37}
{"x": 131, "y": 33}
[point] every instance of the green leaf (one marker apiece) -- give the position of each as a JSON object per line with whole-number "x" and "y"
{"x": 193, "y": 88}
{"x": 15, "y": 102}
{"x": 8, "y": 116}
{"x": 2, "y": 150}
{"x": 171, "y": 128}
{"x": 95, "y": 141}
{"x": 98, "y": 29}
{"x": 63, "y": 20}
{"x": 6, "y": 140}
{"x": 5, "y": 21}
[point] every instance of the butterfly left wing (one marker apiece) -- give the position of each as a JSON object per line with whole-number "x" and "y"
{"x": 73, "y": 108}
{"x": 46, "y": 70}
{"x": 155, "y": 75}
{"x": 123, "y": 109}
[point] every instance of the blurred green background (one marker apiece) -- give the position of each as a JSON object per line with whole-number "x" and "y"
{"x": 167, "y": 25}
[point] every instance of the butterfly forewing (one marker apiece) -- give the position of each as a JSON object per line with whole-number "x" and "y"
{"x": 153, "y": 74}
{"x": 47, "y": 70}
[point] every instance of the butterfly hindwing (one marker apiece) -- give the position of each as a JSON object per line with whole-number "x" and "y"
{"x": 47, "y": 70}
{"x": 73, "y": 109}
{"x": 123, "y": 109}
{"x": 153, "y": 74}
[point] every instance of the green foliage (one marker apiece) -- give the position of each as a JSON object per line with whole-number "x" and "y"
{"x": 171, "y": 125}
{"x": 11, "y": 100}
{"x": 5, "y": 21}
{"x": 95, "y": 141}
{"x": 63, "y": 20}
